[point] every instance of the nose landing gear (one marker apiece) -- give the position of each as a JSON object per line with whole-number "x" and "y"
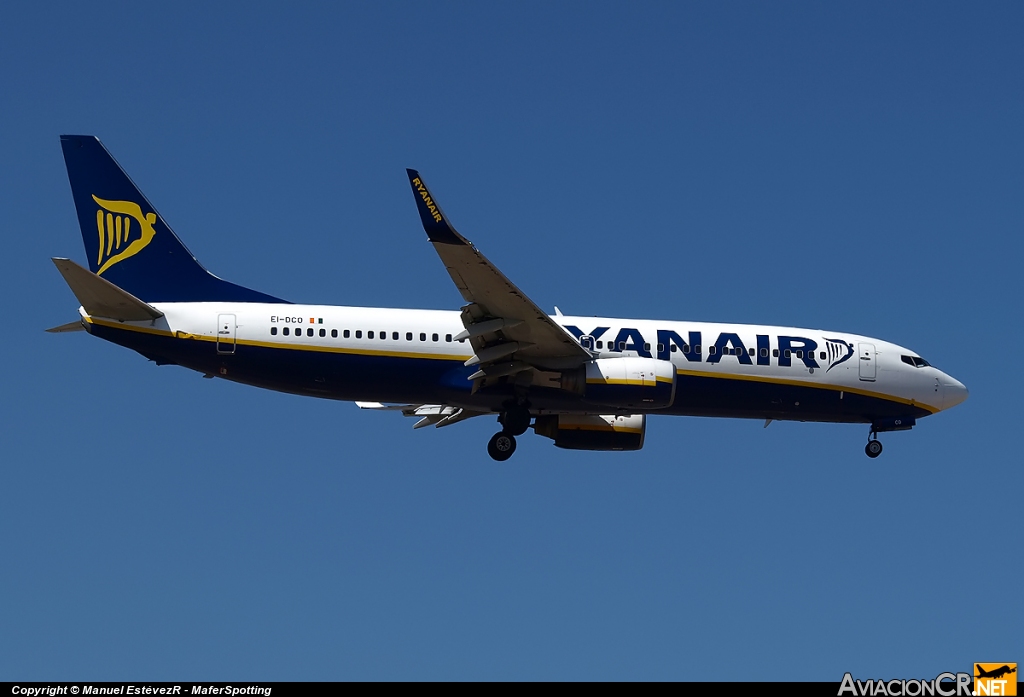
{"x": 899, "y": 423}
{"x": 874, "y": 447}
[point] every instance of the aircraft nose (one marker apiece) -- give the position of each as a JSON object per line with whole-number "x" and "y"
{"x": 953, "y": 392}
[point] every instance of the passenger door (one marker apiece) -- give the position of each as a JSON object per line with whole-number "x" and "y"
{"x": 225, "y": 333}
{"x": 866, "y": 354}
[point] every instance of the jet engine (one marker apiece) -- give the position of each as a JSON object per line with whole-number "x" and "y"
{"x": 628, "y": 382}
{"x": 593, "y": 432}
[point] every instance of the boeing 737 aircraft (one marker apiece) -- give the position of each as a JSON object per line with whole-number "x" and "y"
{"x": 586, "y": 383}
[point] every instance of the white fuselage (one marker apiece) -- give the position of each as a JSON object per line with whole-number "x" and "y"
{"x": 838, "y": 363}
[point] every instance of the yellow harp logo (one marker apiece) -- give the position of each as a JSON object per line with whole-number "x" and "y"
{"x": 114, "y": 223}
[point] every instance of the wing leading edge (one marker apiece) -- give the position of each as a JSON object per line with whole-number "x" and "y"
{"x": 509, "y": 333}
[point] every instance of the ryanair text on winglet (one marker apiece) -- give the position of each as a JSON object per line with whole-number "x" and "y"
{"x": 944, "y": 685}
{"x": 425, "y": 195}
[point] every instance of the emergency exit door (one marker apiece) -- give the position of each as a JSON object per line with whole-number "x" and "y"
{"x": 225, "y": 333}
{"x": 866, "y": 354}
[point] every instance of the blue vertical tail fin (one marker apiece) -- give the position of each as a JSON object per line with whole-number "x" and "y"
{"x": 128, "y": 243}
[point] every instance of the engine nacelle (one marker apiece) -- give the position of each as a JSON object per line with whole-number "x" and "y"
{"x": 593, "y": 432}
{"x": 628, "y": 382}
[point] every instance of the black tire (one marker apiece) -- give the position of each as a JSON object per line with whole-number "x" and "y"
{"x": 873, "y": 448}
{"x": 515, "y": 421}
{"x": 501, "y": 446}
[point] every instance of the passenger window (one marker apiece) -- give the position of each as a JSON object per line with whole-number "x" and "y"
{"x": 433, "y": 337}
{"x": 821, "y": 355}
{"x": 369, "y": 334}
{"x": 285, "y": 331}
{"x": 448, "y": 338}
{"x": 712, "y": 350}
{"x": 750, "y": 351}
{"x": 334, "y": 333}
{"x": 323, "y": 332}
{"x": 273, "y": 331}
{"x": 423, "y": 336}
{"x": 647, "y": 346}
{"x": 672, "y": 347}
{"x": 661, "y": 347}
{"x": 622, "y": 345}
{"x": 359, "y": 333}
{"x": 800, "y": 353}
{"x": 346, "y": 334}
{"x": 696, "y": 349}
{"x": 383, "y": 336}
{"x": 408, "y": 336}
{"x": 600, "y": 344}
{"x": 775, "y": 352}
{"x": 788, "y": 353}
{"x": 764, "y": 353}
{"x": 686, "y": 348}
{"x": 394, "y": 336}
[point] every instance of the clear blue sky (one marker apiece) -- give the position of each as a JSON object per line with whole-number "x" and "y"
{"x": 857, "y": 167}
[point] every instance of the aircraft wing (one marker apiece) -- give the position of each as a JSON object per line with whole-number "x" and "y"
{"x": 506, "y": 329}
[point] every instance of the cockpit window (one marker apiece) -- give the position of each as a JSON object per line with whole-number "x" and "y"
{"x": 915, "y": 361}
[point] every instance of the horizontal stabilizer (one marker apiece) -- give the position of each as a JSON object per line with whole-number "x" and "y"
{"x": 101, "y": 298}
{"x": 75, "y": 326}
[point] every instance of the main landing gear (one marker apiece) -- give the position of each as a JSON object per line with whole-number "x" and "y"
{"x": 501, "y": 446}
{"x": 514, "y": 422}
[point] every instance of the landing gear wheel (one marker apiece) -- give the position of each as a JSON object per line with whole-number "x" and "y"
{"x": 515, "y": 420}
{"x": 873, "y": 448}
{"x": 501, "y": 446}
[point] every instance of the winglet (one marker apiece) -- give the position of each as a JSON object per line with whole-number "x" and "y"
{"x": 434, "y": 221}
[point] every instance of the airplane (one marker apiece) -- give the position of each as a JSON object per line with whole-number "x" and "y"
{"x": 587, "y": 383}
{"x": 995, "y": 673}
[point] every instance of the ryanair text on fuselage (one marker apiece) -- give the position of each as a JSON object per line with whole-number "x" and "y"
{"x": 765, "y": 350}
